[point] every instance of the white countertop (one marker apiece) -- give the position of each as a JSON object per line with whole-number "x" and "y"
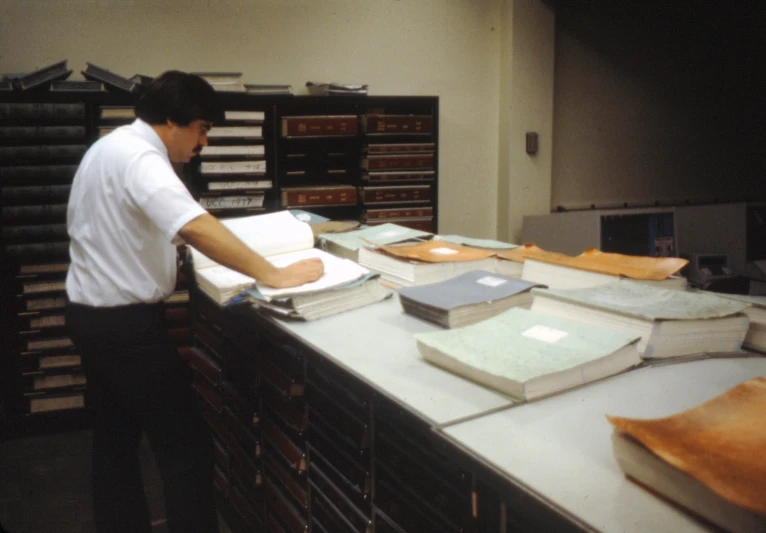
{"x": 375, "y": 343}
{"x": 560, "y": 447}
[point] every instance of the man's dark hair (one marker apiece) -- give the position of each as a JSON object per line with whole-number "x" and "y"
{"x": 180, "y": 97}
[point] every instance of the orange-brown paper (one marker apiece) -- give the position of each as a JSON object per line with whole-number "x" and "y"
{"x": 438, "y": 252}
{"x": 721, "y": 443}
{"x": 593, "y": 260}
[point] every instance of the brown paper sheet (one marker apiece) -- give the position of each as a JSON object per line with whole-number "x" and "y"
{"x": 438, "y": 252}
{"x": 721, "y": 443}
{"x": 629, "y": 266}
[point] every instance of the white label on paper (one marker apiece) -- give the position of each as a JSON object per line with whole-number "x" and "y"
{"x": 443, "y": 251}
{"x": 303, "y": 217}
{"x": 391, "y": 233}
{"x": 491, "y": 281}
{"x": 544, "y": 334}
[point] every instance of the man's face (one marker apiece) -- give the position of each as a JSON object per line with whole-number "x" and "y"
{"x": 187, "y": 141}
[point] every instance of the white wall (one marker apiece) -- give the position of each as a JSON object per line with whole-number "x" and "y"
{"x": 448, "y": 48}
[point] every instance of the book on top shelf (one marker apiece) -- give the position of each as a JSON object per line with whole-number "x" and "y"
{"x": 55, "y": 72}
{"x": 282, "y": 239}
{"x": 707, "y": 460}
{"x": 527, "y": 355}
{"x": 255, "y": 88}
{"x": 670, "y": 323}
{"x": 466, "y": 299}
{"x": 110, "y": 79}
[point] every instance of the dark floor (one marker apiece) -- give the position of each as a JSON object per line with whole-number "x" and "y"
{"x": 45, "y": 485}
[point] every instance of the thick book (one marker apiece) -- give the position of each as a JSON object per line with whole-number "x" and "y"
{"x": 227, "y": 168}
{"x": 320, "y": 304}
{"x": 396, "y": 194}
{"x": 756, "y": 312}
{"x": 425, "y": 262}
{"x": 235, "y": 132}
{"x": 254, "y": 117}
{"x": 388, "y": 213}
{"x": 400, "y": 148}
{"x": 212, "y": 201}
{"x": 77, "y": 86}
{"x": 396, "y": 124}
{"x": 419, "y": 223}
{"x": 282, "y": 239}
{"x": 399, "y": 175}
{"x": 35, "y": 194}
{"x": 489, "y": 244}
{"x": 116, "y": 113}
{"x": 398, "y": 161}
{"x": 319, "y": 196}
{"x": 347, "y": 244}
{"x": 255, "y": 88}
{"x": 42, "y": 174}
{"x": 319, "y": 125}
{"x": 707, "y": 460}
{"x": 594, "y": 267}
{"x": 109, "y": 78}
{"x": 466, "y": 299}
{"x": 528, "y": 355}
{"x": 671, "y": 323}
{"x": 37, "y": 213}
{"x": 42, "y": 153}
{"x": 42, "y": 112}
{"x": 60, "y": 134}
{"x": 238, "y": 185}
{"x": 56, "y": 71}
{"x": 251, "y": 151}
{"x": 560, "y": 276}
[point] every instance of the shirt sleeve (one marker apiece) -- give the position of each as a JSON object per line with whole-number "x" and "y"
{"x": 156, "y": 189}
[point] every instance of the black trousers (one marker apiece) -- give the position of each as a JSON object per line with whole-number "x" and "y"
{"x": 136, "y": 383}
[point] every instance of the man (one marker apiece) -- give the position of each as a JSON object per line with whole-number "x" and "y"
{"x": 127, "y": 211}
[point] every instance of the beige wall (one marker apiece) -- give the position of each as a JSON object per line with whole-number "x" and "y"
{"x": 526, "y": 105}
{"x": 448, "y": 48}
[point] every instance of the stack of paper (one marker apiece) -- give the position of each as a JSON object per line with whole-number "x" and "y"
{"x": 347, "y": 244}
{"x": 756, "y": 312}
{"x": 708, "y": 460}
{"x": 466, "y": 299}
{"x": 589, "y": 269}
{"x": 426, "y": 262}
{"x": 319, "y": 304}
{"x": 527, "y": 355}
{"x": 670, "y": 323}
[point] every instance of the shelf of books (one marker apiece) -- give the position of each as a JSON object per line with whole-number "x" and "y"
{"x": 44, "y": 132}
{"x": 372, "y": 159}
{"x": 41, "y": 143}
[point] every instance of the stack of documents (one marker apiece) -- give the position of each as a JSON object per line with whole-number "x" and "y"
{"x": 466, "y": 299}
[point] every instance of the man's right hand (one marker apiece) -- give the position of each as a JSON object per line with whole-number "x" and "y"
{"x": 298, "y": 273}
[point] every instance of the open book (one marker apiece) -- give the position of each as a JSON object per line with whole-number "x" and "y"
{"x": 708, "y": 459}
{"x": 282, "y": 239}
{"x": 527, "y": 355}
